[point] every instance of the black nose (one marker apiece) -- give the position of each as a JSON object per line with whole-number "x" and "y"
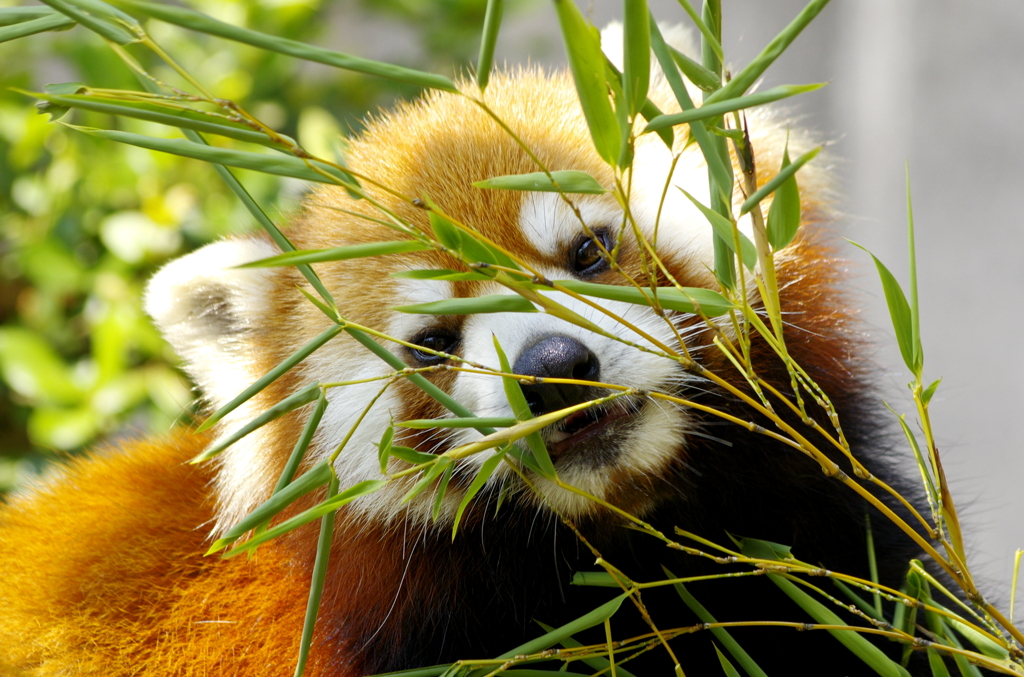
{"x": 557, "y": 357}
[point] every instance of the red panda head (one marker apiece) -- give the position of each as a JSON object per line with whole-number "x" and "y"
{"x": 232, "y": 325}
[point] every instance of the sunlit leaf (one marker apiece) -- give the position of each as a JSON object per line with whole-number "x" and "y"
{"x": 355, "y": 251}
{"x": 472, "y": 305}
{"x": 784, "y": 214}
{"x": 565, "y": 180}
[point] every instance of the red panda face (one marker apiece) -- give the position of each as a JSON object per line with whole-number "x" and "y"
{"x": 232, "y": 325}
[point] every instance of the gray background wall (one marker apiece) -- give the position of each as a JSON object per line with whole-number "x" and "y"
{"x": 940, "y": 84}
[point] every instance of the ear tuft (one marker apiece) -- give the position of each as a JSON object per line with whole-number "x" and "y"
{"x": 205, "y": 306}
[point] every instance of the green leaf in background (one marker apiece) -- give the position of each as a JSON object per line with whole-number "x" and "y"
{"x": 31, "y": 367}
{"x": 586, "y": 61}
{"x": 98, "y": 17}
{"x": 21, "y": 29}
{"x": 564, "y": 180}
{"x": 784, "y": 214}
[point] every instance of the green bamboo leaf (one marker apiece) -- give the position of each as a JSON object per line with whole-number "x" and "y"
{"x": 440, "y": 274}
{"x": 564, "y": 632}
{"x": 784, "y": 214}
{"x": 302, "y": 444}
{"x": 564, "y": 181}
{"x": 492, "y": 22}
{"x": 717, "y": 168}
{"x": 586, "y": 61}
{"x": 542, "y": 463}
{"x": 858, "y": 601}
{"x": 316, "y": 512}
{"x": 472, "y": 248}
{"x": 981, "y": 642}
{"x": 316, "y": 477}
{"x": 410, "y": 455}
{"x": 384, "y": 448}
{"x": 197, "y": 21}
{"x": 427, "y": 478}
{"x": 491, "y": 303}
{"x": 281, "y": 165}
{"x": 730, "y": 671}
{"x": 160, "y": 113}
{"x": 915, "y": 307}
{"x": 16, "y": 15}
{"x": 21, "y": 29}
{"x": 748, "y": 664}
{"x": 856, "y": 643}
{"x": 356, "y": 251}
{"x": 743, "y": 80}
{"x": 723, "y": 228}
{"x": 430, "y": 423}
{"x": 926, "y": 396}
{"x": 938, "y": 667}
{"x": 599, "y": 663}
{"x": 316, "y": 586}
{"x": 442, "y": 487}
{"x": 926, "y": 477}
{"x": 712, "y": 110}
{"x": 694, "y": 72}
{"x": 636, "y": 55}
{"x": 596, "y": 579}
{"x": 96, "y": 18}
{"x": 685, "y": 300}
{"x": 899, "y": 311}
{"x": 966, "y": 669}
{"x": 487, "y": 469}
{"x": 707, "y": 37}
{"x": 787, "y": 171}
{"x": 285, "y": 406}
{"x": 649, "y": 111}
{"x": 271, "y": 376}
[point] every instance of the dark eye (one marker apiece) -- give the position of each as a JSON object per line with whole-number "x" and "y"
{"x": 586, "y": 254}
{"x": 441, "y": 340}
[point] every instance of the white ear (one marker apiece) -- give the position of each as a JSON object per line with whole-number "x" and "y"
{"x": 206, "y": 307}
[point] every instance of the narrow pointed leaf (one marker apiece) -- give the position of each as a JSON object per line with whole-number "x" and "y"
{"x": 743, "y": 80}
{"x": 427, "y": 478}
{"x": 586, "y": 61}
{"x": 899, "y": 311}
{"x": 384, "y": 448}
{"x": 16, "y": 15}
{"x": 784, "y": 214}
{"x": 97, "y": 24}
{"x": 271, "y": 376}
{"x": 491, "y": 303}
{"x": 486, "y": 470}
{"x": 474, "y": 249}
{"x": 723, "y": 228}
{"x": 929, "y": 392}
{"x": 694, "y": 72}
{"x": 285, "y": 406}
{"x": 316, "y": 512}
{"x": 712, "y": 110}
{"x": 558, "y": 635}
{"x": 688, "y": 300}
{"x": 727, "y": 667}
{"x": 595, "y": 579}
{"x": 316, "y": 477}
{"x": 915, "y": 308}
{"x": 49, "y": 22}
{"x": 410, "y": 455}
{"x": 565, "y": 181}
{"x": 636, "y": 70}
{"x": 429, "y": 423}
{"x": 197, "y": 21}
{"x": 521, "y": 408}
{"x": 599, "y": 663}
{"x": 281, "y": 165}
{"x": 787, "y": 171}
{"x": 316, "y": 586}
{"x": 302, "y": 444}
{"x": 441, "y": 274}
{"x": 356, "y": 251}
{"x": 492, "y": 22}
{"x": 442, "y": 487}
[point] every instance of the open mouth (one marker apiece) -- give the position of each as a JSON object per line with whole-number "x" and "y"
{"x": 584, "y": 427}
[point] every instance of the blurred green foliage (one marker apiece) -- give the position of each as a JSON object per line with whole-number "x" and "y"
{"x": 84, "y": 222}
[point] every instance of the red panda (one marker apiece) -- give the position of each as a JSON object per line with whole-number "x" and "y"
{"x": 103, "y": 567}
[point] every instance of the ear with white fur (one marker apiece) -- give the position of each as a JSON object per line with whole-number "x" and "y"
{"x": 205, "y": 307}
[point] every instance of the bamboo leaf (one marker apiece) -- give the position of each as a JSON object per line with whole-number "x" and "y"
{"x": 636, "y": 67}
{"x": 410, "y": 455}
{"x": 95, "y": 18}
{"x": 543, "y": 465}
{"x": 596, "y": 579}
{"x": 491, "y": 303}
{"x": 694, "y": 72}
{"x": 784, "y": 214}
{"x": 384, "y": 448}
{"x": 492, "y": 22}
{"x": 899, "y": 311}
{"x": 430, "y": 423}
{"x": 442, "y": 487}
{"x": 356, "y": 251}
{"x": 724, "y": 229}
{"x": 16, "y": 15}
{"x": 586, "y": 61}
{"x": 486, "y": 470}
{"x": 281, "y": 165}
{"x": 727, "y": 667}
{"x": 316, "y": 586}
{"x": 685, "y": 300}
{"x": 285, "y": 406}
{"x": 915, "y": 308}
{"x": 560, "y": 634}
{"x": 743, "y": 80}
{"x": 21, "y": 29}
{"x": 564, "y": 181}
{"x": 440, "y": 274}
{"x": 316, "y": 477}
{"x": 472, "y": 248}
{"x": 316, "y": 512}
{"x": 292, "y": 465}
{"x": 197, "y": 21}
{"x": 271, "y": 376}
{"x": 427, "y": 478}
{"x": 712, "y": 110}
{"x": 929, "y": 392}
{"x": 784, "y": 174}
